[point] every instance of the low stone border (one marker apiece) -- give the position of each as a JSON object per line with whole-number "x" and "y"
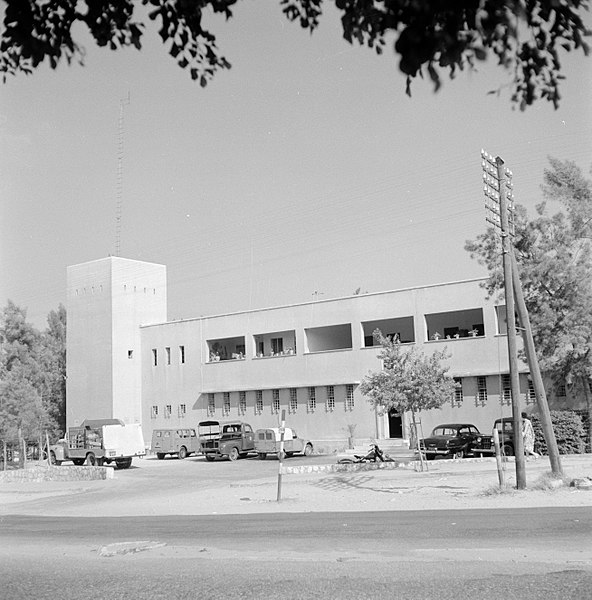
{"x": 340, "y": 468}
{"x": 47, "y": 473}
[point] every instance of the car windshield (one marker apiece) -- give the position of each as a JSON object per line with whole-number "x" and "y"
{"x": 439, "y": 431}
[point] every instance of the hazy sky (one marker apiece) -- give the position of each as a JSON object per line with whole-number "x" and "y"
{"x": 303, "y": 169}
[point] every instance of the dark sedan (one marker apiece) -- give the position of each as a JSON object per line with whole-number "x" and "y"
{"x": 452, "y": 439}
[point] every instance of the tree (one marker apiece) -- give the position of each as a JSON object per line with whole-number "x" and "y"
{"x": 554, "y": 256}
{"x": 409, "y": 381}
{"x": 31, "y": 367}
{"x": 525, "y": 37}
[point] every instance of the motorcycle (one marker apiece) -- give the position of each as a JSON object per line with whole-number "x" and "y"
{"x": 375, "y": 455}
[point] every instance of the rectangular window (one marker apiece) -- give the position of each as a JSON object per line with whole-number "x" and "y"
{"x": 154, "y": 357}
{"x": 458, "y": 396}
{"x": 275, "y": 403}
{"x": 293, "y": 400}
{"x": 258, "y": 402}
{"x": 530, "y": 395}
{"x": 242, "y": 403}
{"x": 312, "y": 399}
{"x": 506, "y": 396}
{"x": 182, "y": 411}
{"x": 211, "y": 405}
{"x": 182, "y": 355}
{"x": 130, "y": 353}
{"x": 349, "y": 397}
{"x": 226, "y": 406}
{"x": 168, "y": 355}
{"x": 330, "y": 397}
{"x": 482, "y": 390}
{"x": 168, "y": 409}
{"x": 154, "y": 412}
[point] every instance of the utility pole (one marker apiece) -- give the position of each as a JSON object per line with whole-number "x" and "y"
{"x": 496, "y": 189}
{"x": 535, "y": 373}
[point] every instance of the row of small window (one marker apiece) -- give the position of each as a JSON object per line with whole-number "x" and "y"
{"x": 167, "y": 355}
{"x": 309, "y": 401}
{"x": 481, "y": 396}
{"x": 168, "y": 411}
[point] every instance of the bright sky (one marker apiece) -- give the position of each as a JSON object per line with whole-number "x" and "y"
{"x": 303, "y": 172}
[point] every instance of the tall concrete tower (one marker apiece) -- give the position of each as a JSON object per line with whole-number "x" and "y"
{"x": 107, "y": 301}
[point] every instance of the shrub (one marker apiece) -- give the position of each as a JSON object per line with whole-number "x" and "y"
{"x": 569, "y": 433}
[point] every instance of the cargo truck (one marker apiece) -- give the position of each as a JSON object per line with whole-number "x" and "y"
{"x": 99, "y": 442}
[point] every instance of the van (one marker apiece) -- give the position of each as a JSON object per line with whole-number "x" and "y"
{"x": 182, "y": 442}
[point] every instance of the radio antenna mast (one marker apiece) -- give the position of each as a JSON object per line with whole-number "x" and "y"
{"x": 119, "y": 183}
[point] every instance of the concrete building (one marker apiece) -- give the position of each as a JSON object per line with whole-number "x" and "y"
{"x": 125, "y": 360}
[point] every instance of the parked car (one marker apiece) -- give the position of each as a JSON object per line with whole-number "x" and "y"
{"x": 182, "y": 442}
{"x": 230, "y": 439}
{"x": 451, "y": 439}
{"x": 267, "y": 441}
{"x": 484, "y": 445}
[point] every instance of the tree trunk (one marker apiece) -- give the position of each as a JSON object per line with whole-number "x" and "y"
{"x": 586, "y": 383}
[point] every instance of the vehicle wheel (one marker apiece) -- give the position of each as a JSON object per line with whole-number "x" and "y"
{"x": 459, "y": 454}
{"x": 262, "y": 455}
{"x": 78, "y": 461}
{"x": 233, "y": 454}
{"x": 182, "y": 452}
{"x": 126, "y": 463}
{"x": 308, "y": 450}
{"x": 210, "y": 457}
{"x": 508, "y": 450}
{"x": 100, "y": 462}
{"x": 160, "y": 455}
{"x": 91, "y": 460}
{"x": 53, "y": 460}
{"x": 430, "y": 457}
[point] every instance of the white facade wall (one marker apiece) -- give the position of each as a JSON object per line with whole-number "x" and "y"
{"x": 107, "y": 302}
{"x": 190, "y": 384}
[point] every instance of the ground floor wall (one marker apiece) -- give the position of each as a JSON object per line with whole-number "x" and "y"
{"x": 335, "y": 417}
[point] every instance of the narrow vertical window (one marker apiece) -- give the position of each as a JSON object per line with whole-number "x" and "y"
{"x": 275, "y": 403}
{"x": 182, "y": 411}
{"x": 458, "y": 397}
{"x": 293, "y": 400}
{"x": 242, "y": 403}
{"x": 154, "y": 412}
{"x": 506, "y": 390}
{"x": 211, "y": 404}
{"x": 154, "y": 357}
{"x": 482, "y": 390}
{"x": 226, "y": 405}
{"x": 312, "y": 399}
{"x": 258, "y": 402}
{"x": 349, "y": 397}
{"x": 330, "y": 397}
{"x": 130, "y": 353}
{"x": 182, "y": 354}
{"x": 530, "y": 395}
{"x": 168, "y": 355}
{"x": 168, "y": 409}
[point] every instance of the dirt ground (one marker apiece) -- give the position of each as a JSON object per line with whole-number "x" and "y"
{"x": 174, "y": 487}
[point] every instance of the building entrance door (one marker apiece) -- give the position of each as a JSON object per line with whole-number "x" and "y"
{"x": 395, "y": 424}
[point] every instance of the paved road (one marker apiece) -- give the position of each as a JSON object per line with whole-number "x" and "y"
{"x": 518, "y": 553}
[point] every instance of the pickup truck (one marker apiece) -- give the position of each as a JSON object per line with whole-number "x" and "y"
{"x": 230, "y": 439}
{"x": 484, "y": 446}
{"x": 267, "y": 441}
{"x": 98, "y": 442}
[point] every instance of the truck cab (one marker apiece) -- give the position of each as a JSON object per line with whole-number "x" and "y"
{"x": 230, "y": 439}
